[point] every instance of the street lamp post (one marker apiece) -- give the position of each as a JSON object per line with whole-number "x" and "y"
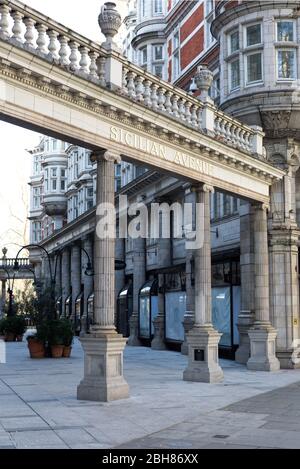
{"x": 10, "y": 312}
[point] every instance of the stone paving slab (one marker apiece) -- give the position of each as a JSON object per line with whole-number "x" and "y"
{"x": 39, "y": 409}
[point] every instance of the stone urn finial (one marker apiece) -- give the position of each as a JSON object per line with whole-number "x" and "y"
{"x": 110, "y": 21}
{"x": 203, "y": 78}
{"x": 4, "y": 251}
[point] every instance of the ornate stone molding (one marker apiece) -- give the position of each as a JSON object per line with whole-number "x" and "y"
{"x": 106, "y": 155}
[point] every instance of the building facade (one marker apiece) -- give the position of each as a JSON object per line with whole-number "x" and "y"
{"x": 252, "y": 50}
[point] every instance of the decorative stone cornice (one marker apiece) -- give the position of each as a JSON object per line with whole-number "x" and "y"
{"x": 107, "y": 155}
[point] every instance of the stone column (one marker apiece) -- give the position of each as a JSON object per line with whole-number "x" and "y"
{"x": 3, "y": 298}
{"x": 247, "y": 315}
{"x": 103, "y": 347}
{"x": 203, "y": 339}
{"x": 189, "y": 317}
{"x": 87, "y": 281}
{"x": 139, "y": 279}
{"x": 65, "y": 277}
{"x": 262, "y": 334}
{"x": 75, "y": 276}
{"x": 158, "y": 342}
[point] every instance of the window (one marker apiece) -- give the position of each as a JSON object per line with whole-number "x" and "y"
{"x": 254, "y": 68}
{"x": 53, "y": 172}
{"x": 176, "y": 69}
{"x": 176, "y": 40}
{"x": 158, "y": 71}
{"x": 286, "y": 64}
{"x": 234, "y": 42}
{"x": 158, "y": 7}
{"x": 235, "y": 74}
{"x": 285, "y": 31}
{"x": 36, "y": 197}
{"x": 226, "y": 204}
{"x": 144, "y": 56}
{"x": 143, "y": 8}
{"x": 46, "y": 180}
{"x": 253, "y": 34}
{"x": 54, "y": 184}
{"x": 55, "y": 145}
{"x": 36, "y": 232}
{"x": 158, "y": 52}
{"x": 209, "y": 36}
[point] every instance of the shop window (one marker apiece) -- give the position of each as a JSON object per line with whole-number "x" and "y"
{"x": 175, "y": 304}
{"x": 148, "y": 309}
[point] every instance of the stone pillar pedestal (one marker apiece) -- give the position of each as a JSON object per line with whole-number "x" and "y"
{"x": 263, "y": 348}
{"x": 203, "y": 365}
{"x": 103, "y": 368}
{"x": 133, "y": 339}
{"x": 158, "y": 342}
{"x": 103, "y": 348}
{"x": 203, "y": 339}
{"x": 262, "y": 335}
{"x": 245, "y": 322}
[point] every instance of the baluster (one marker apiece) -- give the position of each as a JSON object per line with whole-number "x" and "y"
{"x": 228, "y": 132}
{"x": 194, "y": 116}
{"x": 124, "y": 81}
{"x": 161, "y": 99}
{"x": 234, "y": 134}
{"x": 238, "y": 136}
{"x": 101, "y": 62}
{"x": 188, "y": 114}
{"x": 84, "y": 59}
{"x": 242, "y": 138}
{"x": 223, "y": 128}
{"x": 168, "y": 102}
{"x": 131, "y": 85}
{"x": 175, "y": 107}
{"x": 73, "y": 56}
{"x": 41, "y": 40}
{"x": 154, "y": 97}
{"x": 17, "y": 27}
{"x": 53, "y": 46}
{"x": 93, "y": 65}
{"x": 200, "y": 119}
{"x": 29, "y": 34}
{"x": 63, "y": 51}
{"x": 147, "y": 93}
{"x": 247, "y": 141}
{"x": 4, "y": 21}
{"x": 182, "y": 109}
{"x": 139, "y": 89}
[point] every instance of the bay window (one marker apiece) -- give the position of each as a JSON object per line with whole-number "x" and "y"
{"x": 286, "y": 64}
{"x": 235, "y": 74}
{"x": 253, "y": 35}
{"x": 254, "y": 67}
{"x": 285, "y": 31}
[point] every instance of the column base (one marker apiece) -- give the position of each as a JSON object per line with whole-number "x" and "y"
{"x": 262, "y": 340}
{"x": 203, "y": 365}
{"x": 103, "y": 367}
{"x": 158, "y": 342}
{"x": 133, "y": 340}
{"x": 245, "y": 322}
{"x": 188, "y": 323}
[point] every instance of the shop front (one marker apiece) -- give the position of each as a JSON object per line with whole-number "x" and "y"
{"x": 175, "y": 308}
{"x": 226, "y": 293}
{"x": 148, "y": 310}
{"x": 124, "y": 309}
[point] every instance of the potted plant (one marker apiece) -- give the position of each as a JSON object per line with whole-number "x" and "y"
{"x": 36, "y": 347}
{"x": 68, "y": 336}
{"x": 13, "y": 328}
{"x": 56, "y": 338}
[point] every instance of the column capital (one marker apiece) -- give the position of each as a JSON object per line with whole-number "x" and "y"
{"x": 202, "y": 188}
{"x": 107, "y": 155}
{"x": 261, "y": 206}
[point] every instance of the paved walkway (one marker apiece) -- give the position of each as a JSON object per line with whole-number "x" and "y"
{"x": 38, "y": 406}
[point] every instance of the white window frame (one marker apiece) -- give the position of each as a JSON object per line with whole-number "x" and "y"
{"x": 246, "y": 36}
{"x": 155, "y": 11}
{"x": 286, "y": 49}
{"x": 155, "y": 46}
{"x": 253, "y": 83}
{"x": 230, "y": 51}
{"x": 286, "y": 20}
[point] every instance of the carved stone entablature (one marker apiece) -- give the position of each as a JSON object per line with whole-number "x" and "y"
{"x": 281, "y": 236}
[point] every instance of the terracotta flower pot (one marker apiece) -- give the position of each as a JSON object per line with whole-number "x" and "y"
{"x": 10, "y": 337}
{"x": 57, "y": 351}
{"x": 36, "y": 348}
{"x": 67, "y": 352}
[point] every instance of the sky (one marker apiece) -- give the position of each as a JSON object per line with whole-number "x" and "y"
{"x": 15, "y": 162}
